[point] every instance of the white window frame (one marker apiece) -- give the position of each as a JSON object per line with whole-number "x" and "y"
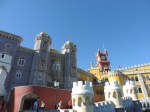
{"x": 18, "y": 74}
{"x": 21, "y": 61}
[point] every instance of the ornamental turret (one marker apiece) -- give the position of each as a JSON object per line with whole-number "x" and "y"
{"x": 113, "y": 93}
{"x": 130, "y": 89}
{"x": 82, "y": 96}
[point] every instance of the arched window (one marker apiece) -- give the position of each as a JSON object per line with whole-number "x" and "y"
{"x": 21, "y": 61}
{"x": 127, "y": 91}
{"x": 40, "y": 77}
{"x": 132, "y": 78}
{"x": 109, "y": 95}
{"x": 130, "y": 91}
{"x": 136, "y": 79}
{"x": 42, "y": 63}
{"x": 87, "y": 100}
{"x": 44, "y": 44}
{"x": 18, "y": 74}
{"x": 114, "y": 94}
{"x": 140, "y": 90}
{"x": 80, "y": 101}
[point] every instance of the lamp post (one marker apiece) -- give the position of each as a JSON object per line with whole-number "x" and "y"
{"x": 56, "y": 85}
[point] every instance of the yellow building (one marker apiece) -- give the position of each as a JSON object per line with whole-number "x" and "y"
{"x": 102, "y": 73}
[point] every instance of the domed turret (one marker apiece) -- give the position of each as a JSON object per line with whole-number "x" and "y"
{"x": 69, "y": 50}
{"x": 68, "y": 47}
{"x": 113, "y": 93}
{"x": 42, "y": 41}
{"x": 130, "y": 89}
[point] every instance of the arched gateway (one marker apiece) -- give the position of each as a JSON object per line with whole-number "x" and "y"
{"x": 27, "y": 101}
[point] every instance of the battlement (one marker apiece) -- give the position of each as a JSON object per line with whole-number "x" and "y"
{"x": 105, "y": 106}
{"x": 130, "y": 84}
{"x": 112, "y": 85}
{"x": 114, "y": 73}
{"x": 10, "y": 36}
{"x": 81, "y": 88}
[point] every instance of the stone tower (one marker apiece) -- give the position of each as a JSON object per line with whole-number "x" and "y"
{"x": 113, "y": 93}
{"x": 40, "y": 60}
{"x": 69, "y": 50}
{"x": 130, "y": 89}
{"x": 82, "y": 96}
{"x": 102, "y": 61}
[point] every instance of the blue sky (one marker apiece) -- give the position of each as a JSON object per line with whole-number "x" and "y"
{"x": 122, "y": 25}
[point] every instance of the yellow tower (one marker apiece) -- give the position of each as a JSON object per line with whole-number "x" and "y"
{"x": 116, "y": 76}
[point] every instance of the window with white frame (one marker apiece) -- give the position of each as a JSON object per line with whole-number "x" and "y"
{"x": 40, "y": 76}
{"x": 21, "y": 61}
{"x": 18, "y": 74}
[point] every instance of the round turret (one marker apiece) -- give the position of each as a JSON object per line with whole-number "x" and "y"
{"x": 130, "y": 89}
{"x": 113, "y": 93}
{"x": 68, "y": 47}
{"x": 82, "y": 96}
{"x": 42, "y": 42}
{"x": 44, "y": 37}
{"x": 116, "y": 75}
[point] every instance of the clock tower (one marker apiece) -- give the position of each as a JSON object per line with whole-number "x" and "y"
{"x": 102, "y": 61}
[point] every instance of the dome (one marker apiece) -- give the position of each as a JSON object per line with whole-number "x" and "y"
{"x": 43, "y": 36}
{"x": 69, "y": 43}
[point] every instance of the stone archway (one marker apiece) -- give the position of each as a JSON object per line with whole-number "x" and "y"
{"x": 26, "y": 96}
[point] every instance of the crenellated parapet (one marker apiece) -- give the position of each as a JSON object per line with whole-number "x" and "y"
{"x": 113, "y": 93}
{"x": 82, "y": 96}
{"x": 127, "y": 104}
{"x": 112, "y": 85}
{"x": 130, "y": 89}
{"x": 114, "y": 73}
{"x": 105, "y": 106}
{"x": 25, "y": 50}
{"x": 80, "y": 88}
{"x": 11, "y": 36}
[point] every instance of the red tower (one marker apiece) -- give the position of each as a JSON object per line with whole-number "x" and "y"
{"x": 102, "y": 62}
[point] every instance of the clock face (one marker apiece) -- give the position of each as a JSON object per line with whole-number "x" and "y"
{"x": 103, "y": 57}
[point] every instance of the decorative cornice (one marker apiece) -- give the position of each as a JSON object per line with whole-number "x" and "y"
{"x": 26, "y": 50}
{"x": 11, "y": 36}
